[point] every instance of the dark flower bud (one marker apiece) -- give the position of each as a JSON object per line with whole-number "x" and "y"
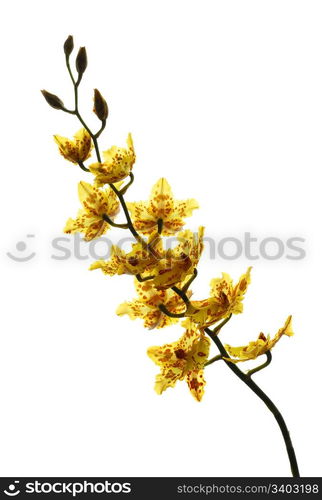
{"x": 69, "y": 45}
{"x": 53, "y": 100}
{"x": 100, "y": 106}
{"x": 81, "y": 61}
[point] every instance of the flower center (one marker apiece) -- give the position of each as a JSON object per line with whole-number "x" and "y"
{"x": 180, "y": 354}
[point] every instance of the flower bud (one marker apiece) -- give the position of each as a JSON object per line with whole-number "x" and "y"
{"x": 53, "y": 100}
{"x": 100, "y": 106}
{"x": 81, "y": 61}
{"x": 68, "y": 46}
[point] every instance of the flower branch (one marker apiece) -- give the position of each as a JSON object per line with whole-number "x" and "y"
{"x": 162, "y": 277}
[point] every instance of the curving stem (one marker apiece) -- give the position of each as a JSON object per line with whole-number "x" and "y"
{"x": 266, "y": 400}
{"x": 260, "y": 367}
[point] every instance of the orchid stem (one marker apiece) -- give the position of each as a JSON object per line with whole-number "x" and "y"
{"x": 82, "y": 166}
{"x": 166, "y": 311}
{"x": 266, "y": 400}
{"x": 126, "y": 187}
{"x": 114, "y": 224}
{"x": 262, "y": 366}
{"x": 181, "y": 294}
{"x": 187, "y": 285}
{"x": 77, "y": 113}
{"x": 216, "y": 330}
{"x": 142, "y": 280}
{"x": 213, "y": 360}
{"x": 160, "y": 225}
{"x": 94, "y": 137}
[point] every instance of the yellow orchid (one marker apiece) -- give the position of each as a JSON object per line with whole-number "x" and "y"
{"x": 163, "y": 273}
{"x": 182, "y": 360}
{"x": 95, "y": 203}
{"x": 225, "y": 299}
{"x": 146, "y": 306}
{"x": 117, "y": 164}
{"x": 260, "y": 346}
{"x": 161, "y": 206}
{"x": 181, "y": 261}
{"x": 139, "y": 261}
{"x": 77, "y": 150}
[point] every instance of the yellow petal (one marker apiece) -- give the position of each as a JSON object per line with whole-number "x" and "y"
{"x": 117, "y": 164}
{"x": 180, "y": 261}
{"x": 161, "y": 205}
{"x": 247, "y": 352}
{"x": 134, "y": 309}
{"x": 161, "y": 196}
{"x": 196, "y": 384}
{"x": 166, "y": 380}
{"x": 138, "y": 261}
{"x": 286, "y": 329}
{"x": 260, "y": 346}
{"x": 77, "y": 150}
{"x": 226, "y": 298}
{"x": 87, "y": 193}
{"x": 115, "y": 265}
{"x": 129, "y": 142}
{"x": 168, "y": 274}
{"x": 183, "y": 359}
{"x": 71, "y": 226}
{"x": 186, "y": 207}
{"x": 97, "y": 201}
{"x": 201, "y": 352}
{"x": 90, "y": 219}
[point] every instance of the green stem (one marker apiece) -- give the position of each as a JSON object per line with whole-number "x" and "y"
{"x": 98, "y": 133}
{"x": 95, "y": 142}
{"x": 77, "y": 113}
{"x": 128, "y": 217}
{"x": 70, "y": 71}
{"x": 114, "y": 224}
{"x": 126, "y": 187}
{"x": 88, "y": 130}
{"x": 261, "y": 367}
{"x": 82, "y": 166}
{"x": 216, "y": 330}
{"x": 213, "y": 360}
{"x": 187, "y": 285}
{"x": 142, "y": 280}
{"x": 181, "y": 294}
{"x": 160, "y": 225}
{"x": 266, "y": 400}
{"x": 166, "y": 311}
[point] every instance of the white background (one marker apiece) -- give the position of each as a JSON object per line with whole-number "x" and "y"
{"x": 223, "y": 98}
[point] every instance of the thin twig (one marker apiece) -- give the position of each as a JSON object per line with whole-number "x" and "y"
{"x": 266, "y": 400}
{"x": 166, "y": 311}
{"x": 261, "y": 367}
{"x": 114, "y": 224}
